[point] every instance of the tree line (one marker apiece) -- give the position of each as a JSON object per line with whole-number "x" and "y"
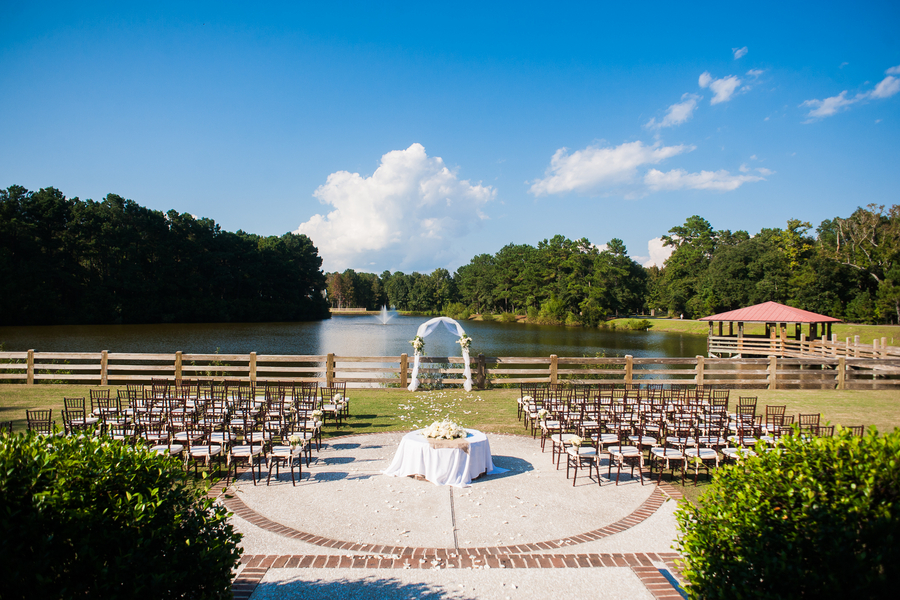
{"x": 846, "y": 268}
{"x": 68, "y": 261}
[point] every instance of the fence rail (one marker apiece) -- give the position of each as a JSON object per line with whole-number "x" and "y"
{"x": 774, "y": 372}
{"x": 802, "y": 348}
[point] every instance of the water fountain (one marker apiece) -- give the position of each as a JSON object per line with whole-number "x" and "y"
{"x": 385, "y": 315}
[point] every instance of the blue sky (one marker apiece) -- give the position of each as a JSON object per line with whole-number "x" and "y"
{"x": 411, "y": 136}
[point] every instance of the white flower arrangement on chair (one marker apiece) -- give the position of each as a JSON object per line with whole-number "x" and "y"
{"x": 316, "y": 415}
{"x": 543, "y": 414}
{"x": 447, "y": 430}
{"x": 576, "y": 442}
{"x": 295, "y": 440}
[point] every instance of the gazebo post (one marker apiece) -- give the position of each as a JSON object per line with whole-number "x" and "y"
{"x": 731, "y": 328}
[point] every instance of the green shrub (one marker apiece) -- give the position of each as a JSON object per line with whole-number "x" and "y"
{"x": 816, "y": 519}
{"x": 487, "y": 316}
{"x": 94, "y": 518}
{"x": 532, "y": 314}
{"x": 457, "y": 311}
{"x": 638, "y": 324}
{"x": 507, "y": 317}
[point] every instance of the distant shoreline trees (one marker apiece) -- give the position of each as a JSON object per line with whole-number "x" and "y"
{"x": 850, "y": 270}
{"x": 68, "y": 261}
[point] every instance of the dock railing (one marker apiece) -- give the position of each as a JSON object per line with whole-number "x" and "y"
{"x": 773, "y": 372}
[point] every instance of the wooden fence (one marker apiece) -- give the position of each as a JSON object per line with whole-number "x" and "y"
{"x": 110, "y": 368}
{"x": 802, "y": 348}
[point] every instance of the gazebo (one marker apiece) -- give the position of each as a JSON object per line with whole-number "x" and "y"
{"x": 776, "y": 318}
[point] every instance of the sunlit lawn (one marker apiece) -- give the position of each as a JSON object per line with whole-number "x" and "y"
{"x": 494, "y": 411}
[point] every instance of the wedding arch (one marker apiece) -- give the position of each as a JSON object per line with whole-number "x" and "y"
{"x": 425, "y": 329}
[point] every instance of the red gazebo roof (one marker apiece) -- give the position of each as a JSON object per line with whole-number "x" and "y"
{"x": 771, "y": 312}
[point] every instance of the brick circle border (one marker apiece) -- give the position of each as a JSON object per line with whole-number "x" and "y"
{"x": 658, "y": 496}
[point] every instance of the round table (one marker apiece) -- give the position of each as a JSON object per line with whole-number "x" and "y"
{"x": 443, "y": 466}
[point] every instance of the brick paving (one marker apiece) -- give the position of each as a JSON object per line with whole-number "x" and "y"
{"x": 647, "y": 567}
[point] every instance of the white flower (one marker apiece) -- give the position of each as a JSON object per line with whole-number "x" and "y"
{"x": 576, "y": 441}
{"x": 444, "y": 430}
{"x": 464, "y": 341}
{"x": 418, "y": 344}
{"x": 295, "y": 440}
{"x": 543, "y": 414}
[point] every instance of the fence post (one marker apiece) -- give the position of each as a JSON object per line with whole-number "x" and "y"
{"x": 554, "y": 364}
{"x": 178, "y": 367}
{"x": 104, "y": 366}
{"x": 856, "y": 346}
{"x": 773, "y": 372}
{"x": 629, "y": 368}
{"x": 29, "y": 373}
{"x": 698, "y": 378}
{"x": 253, "y": 368}
{"x": 404, "y": 370}
{"x": 884, "y": 350}
{"x": 329, "y": 370}
{"x": 481, "y": 375}
{"x": 842, "y": 373}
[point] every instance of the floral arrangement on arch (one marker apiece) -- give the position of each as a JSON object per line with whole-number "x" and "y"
{"x": 418, "y": 344}
{"x": 445, "y": 430}
{"x": 464, "y": 341}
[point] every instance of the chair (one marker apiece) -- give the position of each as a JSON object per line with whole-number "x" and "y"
{"x": 247, "y": 450}
{"x": 202, "y": 448}
{"x": 334, "y": 398}
{"x": 160, "y": 439}
{"x": 78, "y": 404}
{"x": 74, "y": 421}
{"x": 40, "y": 421}
{"x": 668, "y": 457}
{"x": 809, "y": 423}
{"x": 6, "y": 427}
{"x": 623, "y": 455}
{"x": 700, "y": 457}
{"x": 857, "y": 430}
{"x": 284, "y": 452}
{"x": 578, "y": 454}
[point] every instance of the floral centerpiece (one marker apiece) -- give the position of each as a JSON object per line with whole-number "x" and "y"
{"x": 464, "y": 342}
{"x": 445, "y": 430}
{"x": 418, "y": 344}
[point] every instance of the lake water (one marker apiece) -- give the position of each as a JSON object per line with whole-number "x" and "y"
{"x": 346, "y": 335}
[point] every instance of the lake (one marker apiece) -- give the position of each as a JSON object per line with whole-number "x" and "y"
{"x": 350, "y": 335}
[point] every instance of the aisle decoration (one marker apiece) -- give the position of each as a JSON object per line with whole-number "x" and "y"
{"x": 418, "y": 345}
{"x": 446, "y": 430}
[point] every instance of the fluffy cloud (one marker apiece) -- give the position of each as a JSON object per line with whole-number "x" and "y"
{"x": 739, "y": 52}
{"x": 679, "y": 179}
{"x": 677, "y": 113}
{"x": 411, "y": 207}
{"x": 885, "y": 88}
{"x": 596, "y": 169}
{"x": 723, "y": 89}
{"x": 657, "y": 253}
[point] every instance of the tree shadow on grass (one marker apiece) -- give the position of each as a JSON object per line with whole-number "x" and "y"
{"x": 362, "y": 588}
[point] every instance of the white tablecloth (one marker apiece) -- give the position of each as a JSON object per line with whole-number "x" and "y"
{"x": 443, "y": 466}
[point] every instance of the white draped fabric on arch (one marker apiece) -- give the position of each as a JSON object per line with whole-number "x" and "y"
{"x": 426, "y": 329}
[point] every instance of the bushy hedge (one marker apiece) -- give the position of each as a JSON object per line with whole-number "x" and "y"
{"x": 810, "y": 519}
{"x": 94, "y": 518}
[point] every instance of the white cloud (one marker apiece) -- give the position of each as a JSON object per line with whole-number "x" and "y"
{"x": 723, "y": 89}
{"x": 755, "y": 73}
{"x": 677, "y": 113}
{"x": 408, "y": 210}
{"x": 885, "y": 88}
{"x": 744, "y": 168}
{"x": 679, "y": 179}
{"x": 739, "y": 52}
{"x": 596, "y": 169}
{"x": 657, "y": 253}
{"x": 765, "y": 172}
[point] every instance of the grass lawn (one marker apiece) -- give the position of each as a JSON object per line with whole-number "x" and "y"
{"x": 494, "y": 411}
